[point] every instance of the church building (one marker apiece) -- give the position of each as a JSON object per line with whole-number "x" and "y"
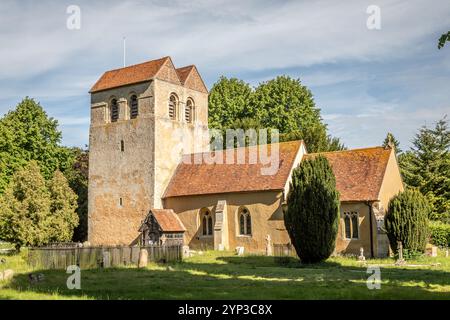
{"x": 149, "y": 124}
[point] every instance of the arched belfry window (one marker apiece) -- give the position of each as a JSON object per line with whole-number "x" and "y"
{"x": 134, "y": 109}
{"x": 114, "y": 110}
{"x": 189, "y": 111}
{"x": 173, "y": 103}
{"x": 207, "y": 223}
{"x": 245, "y": 222}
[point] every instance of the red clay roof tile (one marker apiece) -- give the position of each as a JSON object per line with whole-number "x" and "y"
{"x": 129, "y": 75}
{"x": 359, "y": 173}
{"x": 168, "y": 220}
{"x": 199, "y": 179}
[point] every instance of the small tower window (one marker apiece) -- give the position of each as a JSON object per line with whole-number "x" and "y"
{"x": 173, "y": 102}
{"x": 122, "y": 145}
{"x": 189, "y": 111}
{"x": 121, "y": 202}
{"x": 114, "y": 110}
{"x": 134, "y": 109}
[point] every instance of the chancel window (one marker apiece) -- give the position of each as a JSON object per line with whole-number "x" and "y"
{"x": 134, "y": 110}
{"x": 114, "y": 110}
{"x": 245, "y": 222}
{"x": 207, "y": 224}
{"x": 173, "y": 103}
{"x": 351, "y": 225}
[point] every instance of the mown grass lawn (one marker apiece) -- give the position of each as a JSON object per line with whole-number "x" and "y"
{"x": 219, "y": 275}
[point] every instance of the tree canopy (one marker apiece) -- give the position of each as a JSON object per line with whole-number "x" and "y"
{"x": 427, "y": 167}
{"x": 282, "y": 103}
{"x": 34, "y": 212}
{"x": 27, "y": 133}
{"x": 443, "y": 39}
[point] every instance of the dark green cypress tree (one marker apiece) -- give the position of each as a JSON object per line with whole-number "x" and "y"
{"x": 312, "y": 215}
{"x": 407, "y": 221}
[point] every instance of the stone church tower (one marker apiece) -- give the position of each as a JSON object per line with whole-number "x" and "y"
{"x": 143, "y": 117}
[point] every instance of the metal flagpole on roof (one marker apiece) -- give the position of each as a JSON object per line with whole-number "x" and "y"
{"x": 124, "y": 51}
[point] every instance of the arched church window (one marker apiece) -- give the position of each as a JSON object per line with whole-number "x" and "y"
{"x": 189, "y": 111}
{"x": 355, "y": 226}
{"x": 114, "y": 110}
{"x": 207, "y": 224}
{"x": 134, "y": 110}
{"x": 173, "y": 103}
{"x": 351, "y": 225}
{"x": 245, "y": 222}
{"x": 347, "y": 226}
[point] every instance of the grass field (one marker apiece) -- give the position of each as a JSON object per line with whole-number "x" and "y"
{"x": 219, "y": 275}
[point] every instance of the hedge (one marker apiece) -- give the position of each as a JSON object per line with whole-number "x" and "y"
{"x": 440, "y": 234}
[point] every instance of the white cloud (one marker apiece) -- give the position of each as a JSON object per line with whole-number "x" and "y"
{"x": 42, "y": 58}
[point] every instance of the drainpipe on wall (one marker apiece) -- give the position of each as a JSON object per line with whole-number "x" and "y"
{"x": 369, "y": 204}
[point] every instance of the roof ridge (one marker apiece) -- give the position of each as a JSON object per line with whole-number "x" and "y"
{"x": 348, "y": 150}
{"x": 188, "y": 66}
{"x": 245, "y": 147}
{"x": 138, "y": 64}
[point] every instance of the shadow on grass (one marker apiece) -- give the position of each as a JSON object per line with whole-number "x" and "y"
{"x": 249, "y": 277}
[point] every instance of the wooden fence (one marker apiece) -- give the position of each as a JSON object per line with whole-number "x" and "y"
{"x": 98, "y": 257}
{"x": 284, "y": 250}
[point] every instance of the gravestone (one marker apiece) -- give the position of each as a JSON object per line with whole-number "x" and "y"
{"x": 240, "y": 251}
{"x": 433, "y": 251}
{"x": 186, "y": 252}
{"x": 269, "y": 247}
{"x": 8, "y": 274}
{"x": 143, "y": 258}
{"x": 446, "y": 253}
{"x": 106, "y": 259}
{"x": 361, "y": 256}
{"x": 400, "y": 260}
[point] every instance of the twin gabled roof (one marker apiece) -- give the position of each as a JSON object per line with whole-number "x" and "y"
{"x": 144, "y": 72}
{"x": 359, "y": 174}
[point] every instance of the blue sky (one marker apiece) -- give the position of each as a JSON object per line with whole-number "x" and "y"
{"x": 367, "y": 82}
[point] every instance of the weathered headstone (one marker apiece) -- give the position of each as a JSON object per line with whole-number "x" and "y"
{"x": 240, "y": 251}
{"x": 446, "y": 253}
{"x": 269, "y": 247}
{"x": 8, "y": 274}
{"x": 221, "y": 247}
{"x": 143, "y": 258}
{"x": 433, "y": 251}
{"x": 186, "y": 252}
{"x": 361, "y": 256}
{"x": 106, "y": 259}
{"x": 400, "y": 260}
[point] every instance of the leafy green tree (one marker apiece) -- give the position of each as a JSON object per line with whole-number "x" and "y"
{"x": 25, "y": 208}
{"x": 27, "y": 133}
{"x": 63, "y": 205}
{"x": 443, "y": 39}
{"x": 407, "y": 221}
{"x": 229, "y": 100}
{"x": 315, "y": 138}
{"x": 77, "y": 176}
{"x": 312, "y": 215}
{"x": 427, "y": 167}
{"x": 390, "y": 140}
{"x": 34, "y": 212}
{"x": 285, "y": 104}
